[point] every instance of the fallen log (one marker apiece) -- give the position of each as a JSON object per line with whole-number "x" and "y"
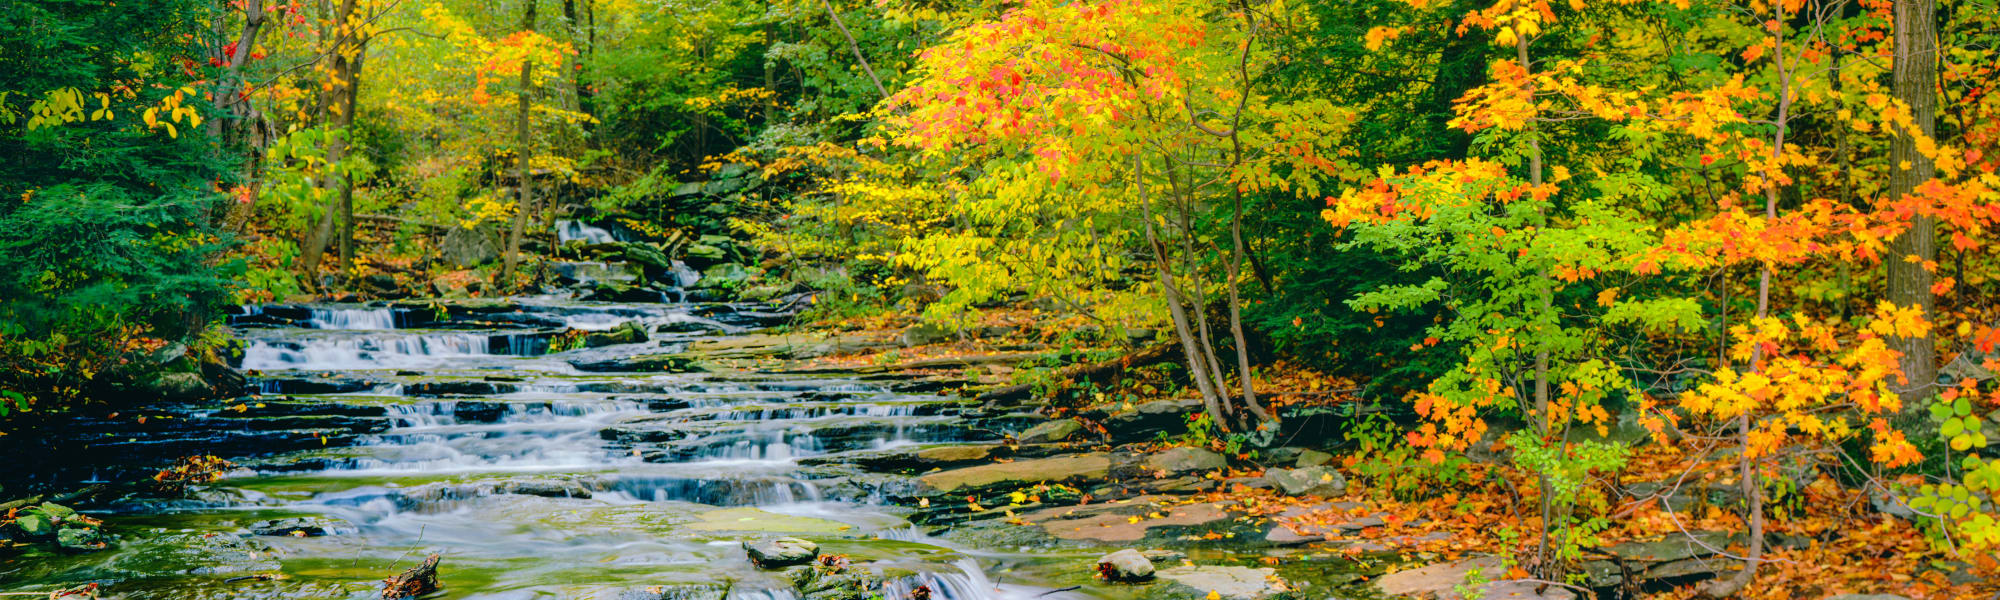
{"x": 419, "y": 580}
{"x": 1101, "y": 373}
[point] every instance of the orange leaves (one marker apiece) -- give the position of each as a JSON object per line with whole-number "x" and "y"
{"x": 1380, "y": 36}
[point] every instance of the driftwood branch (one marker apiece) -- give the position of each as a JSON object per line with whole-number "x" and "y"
{"x": 419, "y": 580}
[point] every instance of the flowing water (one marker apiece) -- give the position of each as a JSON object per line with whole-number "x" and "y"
{"x": 533, "y": 479}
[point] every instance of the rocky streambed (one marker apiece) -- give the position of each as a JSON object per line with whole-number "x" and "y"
{"x": 558, "y": 449}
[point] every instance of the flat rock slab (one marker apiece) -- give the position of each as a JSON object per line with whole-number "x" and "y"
{"x": 751, "y": 519}
{"x": 1443, "y": 581}
{"x": 1114, "y": 521}
{"x": 1233, "y": 583}
{"x": 1022, "y": 472}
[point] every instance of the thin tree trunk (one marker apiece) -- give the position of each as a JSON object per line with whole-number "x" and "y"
{"x": 1915, "y": 83}
{"x": 338, "y": 100}
{"x": 1541, "y": 419}
{"x": 1751, "y": 481}
{"x": 524, "y": 203}
{"x": 856, "y": 48}
{"x": 347, "y": 117}
{"x": 1163, "y": 268}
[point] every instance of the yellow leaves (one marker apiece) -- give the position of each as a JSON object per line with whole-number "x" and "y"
{"x": 1607, "y": 297}
{"x": 1894, "y": 321}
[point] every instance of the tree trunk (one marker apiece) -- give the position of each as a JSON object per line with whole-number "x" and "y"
{"x": 234, "y": 128}
{"x": 346, "y": 119}
{"x": 524, "y": 204}
{"x": 339, "y": 100}
{"x": 1915, "y": 83}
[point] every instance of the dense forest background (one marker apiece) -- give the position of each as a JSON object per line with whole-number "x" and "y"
{"x": 1596, "y": 238}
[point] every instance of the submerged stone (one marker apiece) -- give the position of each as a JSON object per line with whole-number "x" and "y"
{"x": 300, "y": 527}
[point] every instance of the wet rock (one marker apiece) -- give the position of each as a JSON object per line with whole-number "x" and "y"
{"x": 1160, "y": 557}
{"x": 1021, "y": 473}
{"x": 546, "y": 488}
{"x": 1308, "y": 481}
{"x": 631, "y": 332}
{"x": 781, "y": 552}
{"x": 624, "y": 292}
{"x": 1447, "y": 581}
{"x": 644, "y": 363}
{"x": 1051, "y": 432}
{"x": 852, "y": 583}
{"x": 1146, "y": 421}
{"x": 80, "y": 539}
{"x": 686, "y": 327}
{"x": 1229, "y": 583}
{"x": 1126, "y": 565}
{"x": 911, "y": 458}
{"x": 1177, "y": 461}
{"x": 300, "y": 527}
{"x": 437, "y": 389}
{"x": 478, "y": 412}
{"x": 315, "y": 385}
{"x": 925, "y": 334}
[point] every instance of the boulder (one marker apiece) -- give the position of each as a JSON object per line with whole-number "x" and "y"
{"x": 466, "y": 248}
{"x": 1176, "y": 461}
{"x": 1308, "y": 481}
{"x": 1051, "y": 432}
{"x": 1312, "y": 458}
{"x": 1228, "y": 583}
{"x": 1126, "y": 565}
{"x": 180, "y": 387}
{"x": 781, "y": 552}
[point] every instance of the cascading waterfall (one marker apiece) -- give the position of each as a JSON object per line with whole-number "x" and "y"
{"x": 969, "y": 582}
{"x": 479, "y": 444}
{"x": 567, "y": 230}
{"x": 685, "y": 276}
{"x": 369, "y": 319}
{"x": 368, "y": 351}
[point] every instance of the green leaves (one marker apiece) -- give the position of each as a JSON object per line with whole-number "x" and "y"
{"x": 1959, "y": 429}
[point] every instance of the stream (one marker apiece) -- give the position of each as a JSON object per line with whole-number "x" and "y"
{"x": 533, "y": 478}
